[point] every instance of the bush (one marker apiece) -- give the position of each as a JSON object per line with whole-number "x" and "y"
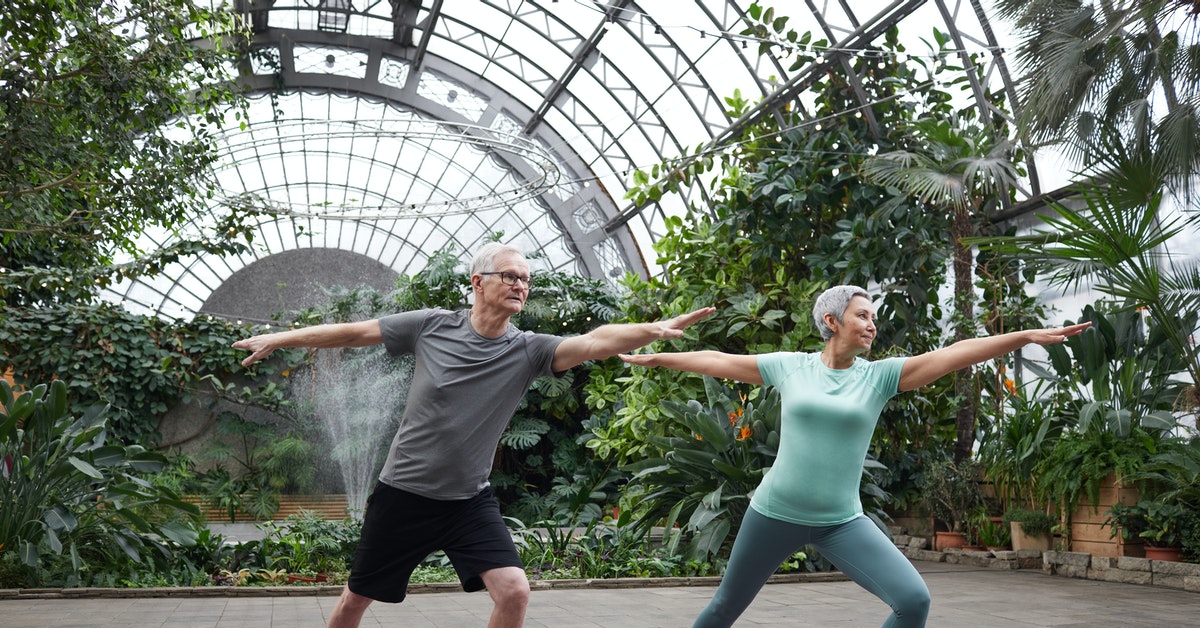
{"x": 952, "y": 491}
{"x": 68, "y": 492}
{"x": 1033, "y": 522}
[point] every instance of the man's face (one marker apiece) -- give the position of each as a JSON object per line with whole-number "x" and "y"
{"x": 492, "y": 291}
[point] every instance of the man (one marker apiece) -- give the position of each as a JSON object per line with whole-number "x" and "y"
{"x": 472, "y": 369}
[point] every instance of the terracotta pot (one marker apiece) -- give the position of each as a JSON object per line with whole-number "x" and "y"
{"x": 1163, "y": 553}
{"x": 950, "y": 540}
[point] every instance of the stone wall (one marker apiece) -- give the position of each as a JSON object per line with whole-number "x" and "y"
{"x": 1127, "y": 569}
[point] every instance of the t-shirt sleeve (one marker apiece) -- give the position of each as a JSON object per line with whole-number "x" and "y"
{"x": 886, "y": 375}
{"x": 400, "y": 331}
{"x": 541, "y": 348}
{"x": 773, "y": 367}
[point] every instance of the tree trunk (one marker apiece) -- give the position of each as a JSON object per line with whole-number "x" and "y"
{"x": 964, "y": 299}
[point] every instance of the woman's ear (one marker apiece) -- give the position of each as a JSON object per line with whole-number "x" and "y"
{"x": 831, "y": 322}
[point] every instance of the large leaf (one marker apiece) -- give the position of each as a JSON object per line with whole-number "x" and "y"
{"x": 85, "y": 468}
{"x": 59, "y": 518}
{"x": 711, "y": 538}
{"x": 28, "y": 553}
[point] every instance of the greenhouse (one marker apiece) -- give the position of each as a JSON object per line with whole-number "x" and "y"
{"x": 627, "y": 278}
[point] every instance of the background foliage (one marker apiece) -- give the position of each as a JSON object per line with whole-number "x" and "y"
{"x": 107, "y": 120}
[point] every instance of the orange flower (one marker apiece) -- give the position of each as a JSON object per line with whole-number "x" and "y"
{"x": 735, "y": 415}
{"x": 744, "y": 433}
{"x": 1011, "y": 386}
{"x": 698, "y": 437}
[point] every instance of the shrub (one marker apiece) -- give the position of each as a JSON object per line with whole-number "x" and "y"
{"x": 69, "y": 492}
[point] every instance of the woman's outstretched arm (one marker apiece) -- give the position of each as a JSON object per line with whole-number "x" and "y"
{"x": 922, "y": 369}
{"x": 742, "y": 368}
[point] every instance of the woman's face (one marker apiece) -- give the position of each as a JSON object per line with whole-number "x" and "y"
{"x": 858, "y": 323}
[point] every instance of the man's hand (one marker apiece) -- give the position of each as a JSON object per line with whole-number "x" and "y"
{"x": 609, "y": 340}
{"x": 259, "y": 347}
{"x": 673, "y": 327}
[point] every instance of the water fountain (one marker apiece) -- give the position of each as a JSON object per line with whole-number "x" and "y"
{"x": 358, "y": 395}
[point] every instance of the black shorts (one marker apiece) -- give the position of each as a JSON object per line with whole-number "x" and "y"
{"x": 401, "y": 529}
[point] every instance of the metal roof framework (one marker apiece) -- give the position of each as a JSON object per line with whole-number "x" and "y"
{"x": 373, "y": 120}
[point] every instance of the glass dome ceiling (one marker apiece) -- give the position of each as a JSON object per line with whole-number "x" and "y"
{"x": 387, "y": 130}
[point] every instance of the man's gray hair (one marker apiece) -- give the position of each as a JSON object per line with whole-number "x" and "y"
{"x": 485, "y": 258}
{"x": 834, "y": 301}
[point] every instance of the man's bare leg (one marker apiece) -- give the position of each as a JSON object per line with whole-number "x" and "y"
{"x": 509, "y": 588}
{"x": 349, "y": 610}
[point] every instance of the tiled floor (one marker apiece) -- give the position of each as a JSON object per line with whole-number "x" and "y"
{"x": 962, "y": 596}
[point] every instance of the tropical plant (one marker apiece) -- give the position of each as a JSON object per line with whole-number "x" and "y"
{"x": 1169, "y": 513}
{"x": 308, "y": 544}
{"x": 952, "y": 491}
{"x": 1158, "y": 523}
{"x": 716, "y": 458}
{"x": 1174, "y": 472}
{"x": 1121, "y": 64}
{"x": 993, "y": 535}
{"x": 68, "y": 489}
{"x": 1120, "y": 375}
{"x": 1079, "y": 462}
{"x": 1114, "y": 235}
{"x": 1128, "y": 367}
{"x": 962, "y": 169}
{"x": 1022, "y": 435}
{"x": 98, "y": 349}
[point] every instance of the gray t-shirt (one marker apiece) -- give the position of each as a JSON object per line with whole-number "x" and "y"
{"x": 465, "y": 388}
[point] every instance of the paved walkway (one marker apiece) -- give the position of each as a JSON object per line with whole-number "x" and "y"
{"x": 962, "y": 596}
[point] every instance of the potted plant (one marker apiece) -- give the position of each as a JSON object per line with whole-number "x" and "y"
{"x": 1160, "y": 524}
{"x": 952, "y": 493}
{"x": 1030, "y": 529}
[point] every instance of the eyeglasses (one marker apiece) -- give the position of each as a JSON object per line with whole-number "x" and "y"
{"x": 511, "y": 279}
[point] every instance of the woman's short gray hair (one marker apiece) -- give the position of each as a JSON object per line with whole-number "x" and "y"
{"x": 834, "y": 301}
{"x": 485, "y": 258}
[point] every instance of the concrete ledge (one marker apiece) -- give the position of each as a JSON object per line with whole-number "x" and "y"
{"x": 1165, "y": 574}
{"x": 415, "y": 588}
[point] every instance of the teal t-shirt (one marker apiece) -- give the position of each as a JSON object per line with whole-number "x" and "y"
{"x": 828, "y": 418}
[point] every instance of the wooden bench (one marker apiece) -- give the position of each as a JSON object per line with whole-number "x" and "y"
{"x": 331, "y": 507}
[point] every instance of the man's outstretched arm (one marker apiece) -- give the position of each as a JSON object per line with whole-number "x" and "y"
{"x": 609, "y": 340}
{"x": 361, "y": 334}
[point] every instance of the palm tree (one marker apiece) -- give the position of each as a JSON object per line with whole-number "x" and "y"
{"x": 1118, "y": 84}
{"x": 1117, "y": 239}
{"x": 1129, "y": 64}
{"x": 959, "y": 168}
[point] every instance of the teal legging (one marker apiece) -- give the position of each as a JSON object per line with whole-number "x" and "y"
{"x": 858, "y": 548}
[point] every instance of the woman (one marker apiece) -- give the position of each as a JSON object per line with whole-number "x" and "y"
{"x": 830, "y": 402}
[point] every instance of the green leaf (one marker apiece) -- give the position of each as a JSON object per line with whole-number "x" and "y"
{"x": 85, "y": 468}
{"x": 28, "y": 553}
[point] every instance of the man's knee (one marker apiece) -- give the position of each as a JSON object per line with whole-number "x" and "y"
{"x": 352, "y": 601}
{"x": 508, "y": 586}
